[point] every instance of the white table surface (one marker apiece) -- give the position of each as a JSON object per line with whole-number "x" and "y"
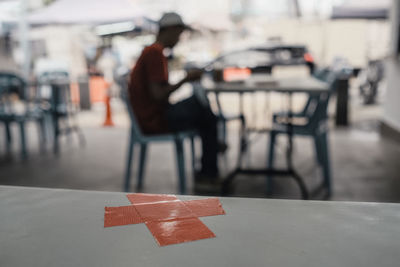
{"x": 260, "y": 83}
{"x": 47, "y": 227}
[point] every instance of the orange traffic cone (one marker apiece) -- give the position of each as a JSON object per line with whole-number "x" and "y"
{"x": 108, "y": 122}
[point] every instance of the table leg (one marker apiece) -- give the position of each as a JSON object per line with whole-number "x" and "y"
{"x": 270, "y": 171}
{"x": 55, "y": 117}
{"x": 342, "y": 103}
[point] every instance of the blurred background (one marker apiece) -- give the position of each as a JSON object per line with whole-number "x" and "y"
{"x": 68, "y": 127}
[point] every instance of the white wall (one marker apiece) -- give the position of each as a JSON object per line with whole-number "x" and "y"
{"x": 392, "y": 102}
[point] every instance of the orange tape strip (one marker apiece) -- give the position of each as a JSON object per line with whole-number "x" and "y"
{"x": 170, "y": 220}
{"x": 179, "y": 231}
{"x": 117, "y": 216}
{"x": 205, "y": 207}
{"x": 149, "y": 198}
{"x": 164, "y": 211}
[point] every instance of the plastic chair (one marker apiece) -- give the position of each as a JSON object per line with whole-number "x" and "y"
{"x": 12, "y": 84}
{"x": 316, "y": 126}
{"x": 312, "y": 100}
{"x": 59, "y": 105}
{"x": 137, "y": 137}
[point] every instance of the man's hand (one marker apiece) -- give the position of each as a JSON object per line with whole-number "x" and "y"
{"x": 194, "y": 75}
{"x": 161, "y": 92}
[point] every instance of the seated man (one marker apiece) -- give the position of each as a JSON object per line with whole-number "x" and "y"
{"x": 149, "y": 92}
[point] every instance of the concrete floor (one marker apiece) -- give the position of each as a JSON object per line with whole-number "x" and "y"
{"x": 365, "y": 167}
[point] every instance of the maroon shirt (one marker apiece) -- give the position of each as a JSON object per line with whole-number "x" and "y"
{"x": 152, "y": 66}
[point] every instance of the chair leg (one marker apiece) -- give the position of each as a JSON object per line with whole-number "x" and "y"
{"x": 271, "y": 154}
{"x": 128, "y": 169}
{"x": 180, "y": 158}
{"x": 8, "y": 137}
{"x": 42, "y": 133}
{"x": 318, "y": 151}
{"x": 142, "y": 163}
{"x": 222, "y": 137}
{"x": 193, "y": 152}
{"x": 23, "y": 139}
{"x": 326, "y": 163}
{"x": 242, "y": 141}
{"x": 56, "y": 133}
{"x": 49, "y": 126}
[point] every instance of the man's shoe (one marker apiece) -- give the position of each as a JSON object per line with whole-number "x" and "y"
{"x": 222, "y": 148}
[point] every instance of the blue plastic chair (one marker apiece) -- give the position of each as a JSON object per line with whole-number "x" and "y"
{"x": 312, "y": 100}
{"x": 316, "y": 126}
{"x": 10, "y": 84}
{"x": 137, "y": 137}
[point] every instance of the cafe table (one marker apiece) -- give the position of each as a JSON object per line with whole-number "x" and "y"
{"x": 56, "y": 93}
{"x": 56, "y": 227}
{"x": 265, "y": 83}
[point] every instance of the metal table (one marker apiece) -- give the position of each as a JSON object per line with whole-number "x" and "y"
{"x": 49, "y": 227}
{"x": 60, "y": 108}
{"x": 261, "y": 83}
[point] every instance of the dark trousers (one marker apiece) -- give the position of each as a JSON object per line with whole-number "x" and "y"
{"x": 190, "y": 114}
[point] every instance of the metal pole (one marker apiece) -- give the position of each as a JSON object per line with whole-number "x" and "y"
{"x": 296, "y": 8}
{"x": 24, "y": 39}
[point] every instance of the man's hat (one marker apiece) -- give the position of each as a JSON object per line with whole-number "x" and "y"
{"x": 172, "y": 19}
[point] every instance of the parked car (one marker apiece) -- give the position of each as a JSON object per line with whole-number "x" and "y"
{"x": 261, "y": 59}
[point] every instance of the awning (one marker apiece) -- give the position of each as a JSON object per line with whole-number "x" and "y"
{"x": 87, "y": 12}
